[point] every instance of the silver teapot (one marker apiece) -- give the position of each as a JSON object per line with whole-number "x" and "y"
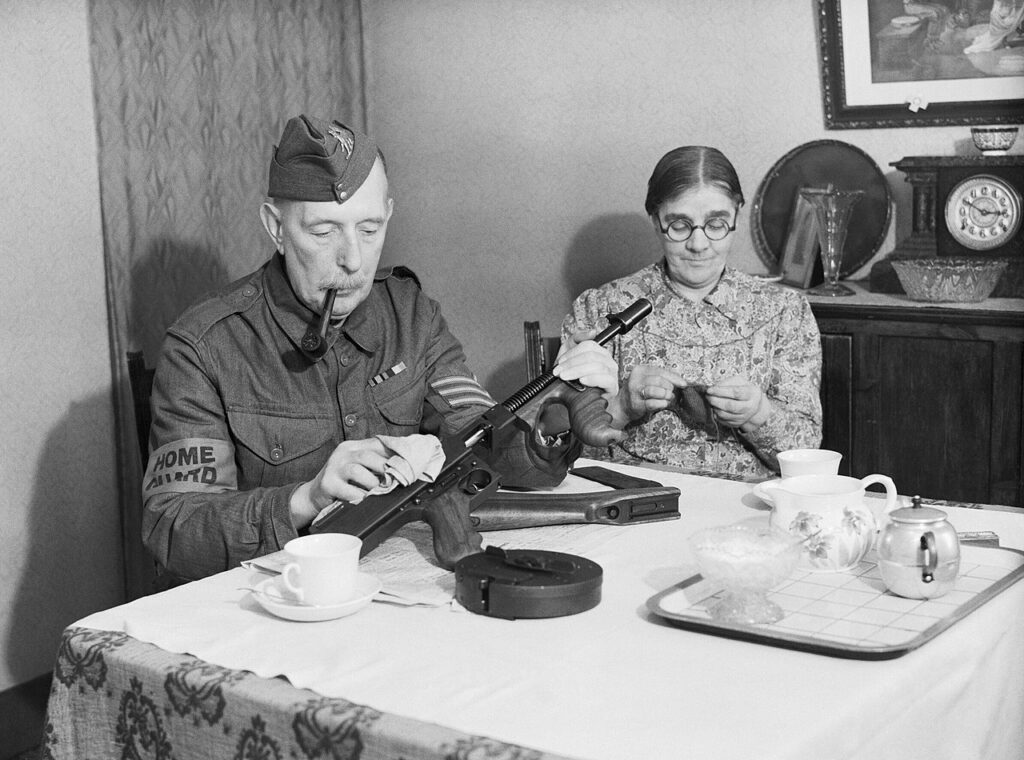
{"x": 918, "y": 552}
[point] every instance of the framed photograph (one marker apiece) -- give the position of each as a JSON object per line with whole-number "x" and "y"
{"x": 801, "y": 247}
{"x": 887, "y": 63}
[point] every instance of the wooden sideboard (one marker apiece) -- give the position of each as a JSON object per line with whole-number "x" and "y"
{"x": 930, "y": 394}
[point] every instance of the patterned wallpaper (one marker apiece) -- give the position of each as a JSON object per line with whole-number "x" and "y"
{"x": 190, "y": 99}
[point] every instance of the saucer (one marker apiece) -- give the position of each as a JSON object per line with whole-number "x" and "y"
{"x": 281, "y": 602}
{"x": 764, "y": 494}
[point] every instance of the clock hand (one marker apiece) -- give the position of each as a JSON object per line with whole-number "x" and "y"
{"x": 982, "y": 211}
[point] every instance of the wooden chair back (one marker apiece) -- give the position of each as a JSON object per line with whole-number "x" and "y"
{"x": 541, "y": 351}
{"x": 141, "y": 378}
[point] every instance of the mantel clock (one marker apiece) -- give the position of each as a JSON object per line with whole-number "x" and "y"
{"x": 963, "y": 206}
{"x": 983, "y": 212}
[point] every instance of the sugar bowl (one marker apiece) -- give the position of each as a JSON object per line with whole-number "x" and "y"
{"x": 918, "y": 552}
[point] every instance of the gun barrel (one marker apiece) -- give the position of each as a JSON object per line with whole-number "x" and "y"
{"x": 465, "y": 481}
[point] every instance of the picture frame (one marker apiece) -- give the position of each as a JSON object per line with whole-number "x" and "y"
{"x": 880, "y": 70}
{"x": 801, "y": 247}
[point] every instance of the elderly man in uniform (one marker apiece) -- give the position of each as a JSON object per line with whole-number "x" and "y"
{"x": 269, "y": 394}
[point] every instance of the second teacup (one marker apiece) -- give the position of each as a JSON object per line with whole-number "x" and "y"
{"x": 794, "y": 462}
{"x": 323, "y": 568}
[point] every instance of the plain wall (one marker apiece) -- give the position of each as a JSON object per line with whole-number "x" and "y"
{"x": 520, "y": 137}
{"x": 60, "y": 551}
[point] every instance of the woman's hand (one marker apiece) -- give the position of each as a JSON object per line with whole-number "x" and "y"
{"x": 352, "y": 470}
{"x": 589, "y": 363}
{"x": 648, "y": 389}
{"x": 739, "y": 403}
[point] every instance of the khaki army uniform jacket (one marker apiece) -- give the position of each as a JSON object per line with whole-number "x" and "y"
{"x": 242, "y": 417}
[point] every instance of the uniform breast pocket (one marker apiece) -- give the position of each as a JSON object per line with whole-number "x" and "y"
{"x": 275, "y": 450}
{"x": 399, "y": 401}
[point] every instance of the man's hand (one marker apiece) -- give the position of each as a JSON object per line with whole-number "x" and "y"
{"x": 352, "y": 470}
{"x": 739, "y": 403}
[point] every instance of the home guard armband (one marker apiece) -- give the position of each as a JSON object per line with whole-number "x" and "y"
{"x": 191, "y": 464}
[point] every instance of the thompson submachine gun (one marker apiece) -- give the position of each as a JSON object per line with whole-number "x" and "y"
{"x": 468, "y": 478}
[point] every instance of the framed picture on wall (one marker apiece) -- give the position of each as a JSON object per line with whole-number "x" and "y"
{"x": 886, "y": 63}
{"x": 801, "y": 246}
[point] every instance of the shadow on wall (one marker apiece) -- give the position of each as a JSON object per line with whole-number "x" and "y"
{"x": 607, "y": 248}
{"x": 73, "y": 560}
{"x": 604, "y": 249}
{"x": 171, "y": 276}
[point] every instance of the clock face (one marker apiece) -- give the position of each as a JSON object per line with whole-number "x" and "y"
{"x": 983, "y": 212}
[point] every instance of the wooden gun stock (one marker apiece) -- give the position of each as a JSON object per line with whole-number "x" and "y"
{"x": 508, "y": 510}
{"x": 632, "y": 500}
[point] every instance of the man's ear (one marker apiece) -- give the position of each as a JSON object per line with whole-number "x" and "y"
{"x": 270, "y": 215}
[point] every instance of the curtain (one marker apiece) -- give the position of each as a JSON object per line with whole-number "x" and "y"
{"x": 191, "y": 97}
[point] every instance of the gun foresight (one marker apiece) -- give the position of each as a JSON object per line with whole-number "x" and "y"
{"x": 624, "y": 321}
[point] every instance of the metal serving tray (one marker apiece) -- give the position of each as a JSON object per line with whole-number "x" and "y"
{"x": 850, "y": 614}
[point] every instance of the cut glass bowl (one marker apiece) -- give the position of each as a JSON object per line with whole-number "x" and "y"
{"x": 746, "y": 561}
{"x": 949, "y": 278}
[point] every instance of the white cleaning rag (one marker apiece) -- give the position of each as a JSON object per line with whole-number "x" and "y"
{"x": 413, "y": 457}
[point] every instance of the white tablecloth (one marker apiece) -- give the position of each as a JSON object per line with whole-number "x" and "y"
{"x": 617, "y": 682}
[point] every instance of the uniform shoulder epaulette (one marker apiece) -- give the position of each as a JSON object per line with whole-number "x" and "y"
{"x": 399, "y": 271}
{"x": 217, "y": 305}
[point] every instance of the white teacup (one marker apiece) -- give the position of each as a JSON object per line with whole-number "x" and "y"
{"x": 323, "y": 569}
{"x": 832, "y": 516}
{"x": 795, "y": 462}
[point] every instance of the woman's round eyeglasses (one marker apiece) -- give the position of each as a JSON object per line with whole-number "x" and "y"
{"x": 680, "y": 230}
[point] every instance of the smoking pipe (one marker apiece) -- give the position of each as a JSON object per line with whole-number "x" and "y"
{"x": 314, "y": 342}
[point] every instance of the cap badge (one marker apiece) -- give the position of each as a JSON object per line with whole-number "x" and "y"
{"x": 343, "y": 136}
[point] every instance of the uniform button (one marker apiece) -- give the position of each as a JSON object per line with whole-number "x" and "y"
{"x": 344, "y": 360}
{"x": 350, "y": 419}
{"x": 276, "y": 453}
{"x": 248, "y": 291}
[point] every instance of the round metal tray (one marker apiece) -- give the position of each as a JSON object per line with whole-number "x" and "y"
{"x": 817, "y": 164}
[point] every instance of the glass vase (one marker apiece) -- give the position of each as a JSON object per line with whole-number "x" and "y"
{"x": 832, "y": 210}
